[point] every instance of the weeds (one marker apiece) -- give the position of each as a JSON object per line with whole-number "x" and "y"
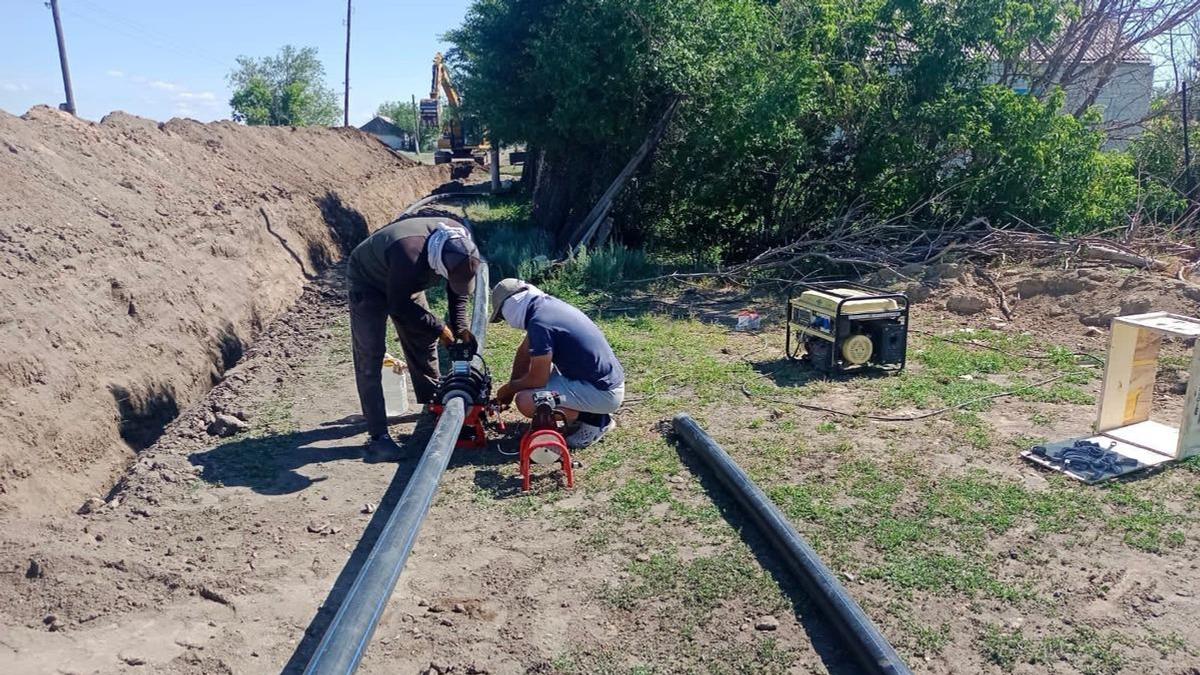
{"x": 1086, "y": 649}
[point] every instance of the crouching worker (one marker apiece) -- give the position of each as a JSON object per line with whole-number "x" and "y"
{"x": 563, "y": 351}
{"x": 388, "y": 274}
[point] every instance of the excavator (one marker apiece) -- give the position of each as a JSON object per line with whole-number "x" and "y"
{"x": 462, "y": 142}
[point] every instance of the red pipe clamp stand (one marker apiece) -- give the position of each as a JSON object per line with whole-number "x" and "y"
{"x": 544, "y": 443}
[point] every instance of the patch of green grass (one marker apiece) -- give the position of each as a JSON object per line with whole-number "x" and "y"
{"x": 972, "y": 429}
{"x": 1086, "y": 649}
{"x": 926, "y": 390}
{"x": 581, "y": 660}
{"x": 1057, "y": 392}
{"x": 827, "y": 428}
{"x": 923, "y": 639}
{"x": 989, "y": 502}
{"x": 1179, "y": 361}
{"x": 762, "y": 656}
{"x": 1168, "y": 644}
{"x": 942, "y": 573}
{"x": 945, "y": 357}
{"x": 699, "y": 585}
{"x": 1040, "y": 418}
{"x": 1144, "y": 523}
{"x": 891, "y": 533}
{"x": 597, "y": 538}
{"x": 636, "y": 496}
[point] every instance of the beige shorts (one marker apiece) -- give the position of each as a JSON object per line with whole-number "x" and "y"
{"x": 584, "y": 397}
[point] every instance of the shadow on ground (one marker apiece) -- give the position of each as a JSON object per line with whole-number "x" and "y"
{"x": 387, "y": 505}
{"x": 499, "y": 476}
{"x": 825, "y": 640}
{"x": 269, "y": 464}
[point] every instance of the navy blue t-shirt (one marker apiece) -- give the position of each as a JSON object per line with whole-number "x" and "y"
{"x": 579, "y": 349}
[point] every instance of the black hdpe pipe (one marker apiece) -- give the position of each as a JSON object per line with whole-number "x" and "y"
{"x": 346, "y": 639}
{"x": 866, "y": 643}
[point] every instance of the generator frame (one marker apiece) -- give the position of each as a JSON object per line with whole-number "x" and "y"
{"x": 841, "y": 322}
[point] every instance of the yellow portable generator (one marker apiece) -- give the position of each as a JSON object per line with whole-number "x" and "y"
{"x": 841, "y": 326}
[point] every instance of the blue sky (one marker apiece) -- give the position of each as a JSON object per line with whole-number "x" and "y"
{"x": 163, "y": 59}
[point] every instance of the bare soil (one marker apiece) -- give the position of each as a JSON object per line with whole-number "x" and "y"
{"x": 138, "y": 259}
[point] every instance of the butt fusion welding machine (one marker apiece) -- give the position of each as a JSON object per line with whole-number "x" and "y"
{"x": 543, "y": 443}
{"x": 841, "y": 326}
{"x": 469, "y": 377}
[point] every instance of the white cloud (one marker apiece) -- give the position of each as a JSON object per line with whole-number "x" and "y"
{"x": 196, "y": 96}
{"x": 165, "y": 86}
{"x": 14, "y": 86}
{"x": 115, "y": 73}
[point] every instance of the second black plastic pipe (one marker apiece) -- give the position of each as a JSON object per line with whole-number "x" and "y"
{"x": 861, "y": 636}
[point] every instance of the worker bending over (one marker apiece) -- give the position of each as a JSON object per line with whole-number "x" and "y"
{"x": 388, "y": 274}
{"x": 563, "y": 351}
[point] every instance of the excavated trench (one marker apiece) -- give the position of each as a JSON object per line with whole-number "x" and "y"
{"x": 141, "y": 260}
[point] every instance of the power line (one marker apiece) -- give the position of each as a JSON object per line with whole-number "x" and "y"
{"x": 106, "y": 19}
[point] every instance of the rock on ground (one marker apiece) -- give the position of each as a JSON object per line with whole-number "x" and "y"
{"x": 967, "y": 304}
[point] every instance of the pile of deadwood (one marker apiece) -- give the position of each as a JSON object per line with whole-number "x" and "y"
{"x": 862, "y": 246}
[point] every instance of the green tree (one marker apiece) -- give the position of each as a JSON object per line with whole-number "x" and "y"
{"x": 581, "y": 82}
{"x": 794, "y": 113}
{"x": 403, "y": 115}
{"x": 286, "y": 89}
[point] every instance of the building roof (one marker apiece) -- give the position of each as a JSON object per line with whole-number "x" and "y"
{"x": 1108, "y": 39}
{"x": 381, "y": 125}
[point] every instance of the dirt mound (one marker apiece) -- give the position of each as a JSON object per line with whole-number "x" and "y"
{"x": 1045, "y": 294}
{"x": 138, "y": 261}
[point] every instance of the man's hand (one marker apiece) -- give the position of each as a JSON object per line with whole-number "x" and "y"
{"x": 505, "y": 394}
{"x": 447, "y": 337}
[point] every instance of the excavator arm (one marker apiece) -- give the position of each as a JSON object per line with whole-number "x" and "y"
{"x": 453, "y": 143}
{"x": 440, "y": 84}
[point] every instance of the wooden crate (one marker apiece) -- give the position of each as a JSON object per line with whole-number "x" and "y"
{"x": 1127, "y": 396}
{"x": 1123, "y": 424}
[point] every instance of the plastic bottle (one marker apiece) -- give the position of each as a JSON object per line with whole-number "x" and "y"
{"x": 395, "y": 385}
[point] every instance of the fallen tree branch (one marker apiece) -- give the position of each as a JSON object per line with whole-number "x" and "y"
{"x": 983, "y": 274}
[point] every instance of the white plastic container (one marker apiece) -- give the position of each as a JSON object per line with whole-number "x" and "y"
{"x": 395, "y": 386}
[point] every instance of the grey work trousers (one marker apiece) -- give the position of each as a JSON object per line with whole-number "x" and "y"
{"x": 368, "y": 336}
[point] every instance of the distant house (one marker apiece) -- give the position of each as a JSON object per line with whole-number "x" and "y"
{"x": 391, "y": 135}
{"x": 1122, "y": 80}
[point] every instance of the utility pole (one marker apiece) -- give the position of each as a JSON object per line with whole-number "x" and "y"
{"x": 346, "y": 113}
{"x": 416, "y": 125}
{"x": 62, "y": 58}
{"x": 1187, "y": 147}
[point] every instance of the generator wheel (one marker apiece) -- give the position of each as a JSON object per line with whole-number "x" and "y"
{"x": 857, "y": 349}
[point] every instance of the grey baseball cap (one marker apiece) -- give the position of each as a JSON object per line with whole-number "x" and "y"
{"x": 461, "y": 258}
{"x": 502, "y": 292}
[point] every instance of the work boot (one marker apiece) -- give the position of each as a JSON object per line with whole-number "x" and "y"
{"x": 382, "y": 448}
{"x": 590, "y": 433}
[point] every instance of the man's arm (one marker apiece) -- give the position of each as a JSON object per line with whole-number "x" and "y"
{"x": 529, "y": 372}
{"x": 458, "y": 310}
